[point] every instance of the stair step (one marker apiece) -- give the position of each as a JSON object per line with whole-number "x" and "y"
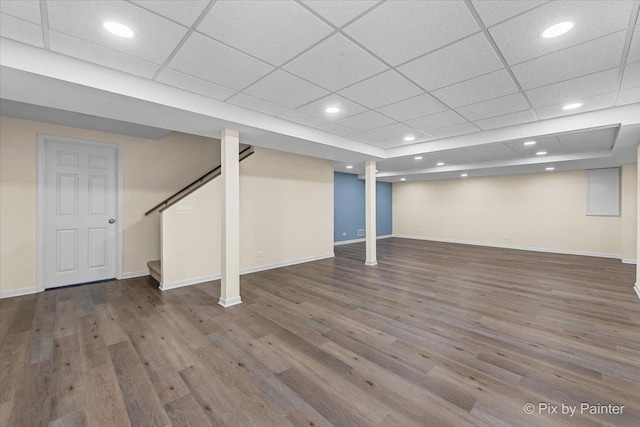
{"x": 155, "y": 270}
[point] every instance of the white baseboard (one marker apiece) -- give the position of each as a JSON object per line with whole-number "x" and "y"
{"x": 134, "y": 274}
{"x": 637, "y": 289}
{"x": 346, "y": 242}
{"x": 17, "y": 292}
{"x": 628, "y": 260}
{"x": 188, "y": 282}
{"x": 520, "y": 248}
{"x": 229, "y": 301}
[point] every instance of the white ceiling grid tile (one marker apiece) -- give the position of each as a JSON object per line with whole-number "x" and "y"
{"x": 629, "y": 96}
{"x": 489, "y": 152}
{"x": 286, "y": 89}
{"x": 155, "y": 37}
{"x": 25, "y": 10}
{"x": 184, "y": 12}
{"x": 478, "y": 89}
{"x": 335, "y": 63}
{"x": 363, "y": 137}
{"x": 506, "y": 120}
{"x": 184, "y": 81}
{"x": 589, "y": 104}
{"x": 460, "y": 61}
{"x": 382, "y": 89}
{"x": 274, "y": 31}
{"x": 631, "y": 77}
{"x": 212, "y": 61}
{"x": 417, "y": 26}
{"x": 318, "y": 108}
{"x": 72, "y": 46}
{"x": 634, "y": 47}
{"x": 335, "y": 128}
{"x": 435, "y": 121}
{"x": 596, "y": 55}
{"x": 574, "y": 90}
{"x": 392, "y": 131}
{"x": 300, "y": 118}
{"x": 582, "y": 142}
{"x": 455, "y": 130}
{"x": 547, "y": 143}
{"x": 367, "y": 120}
{"x": 256, "y": 104}
{"x": 418, "y": 106}
{"x": 340, "y": 12}
{"x": 493, "y": 11}
{"x": 19, "y": 30}
{"x": 519, "y": 38}
{"x": 494, "y": 107}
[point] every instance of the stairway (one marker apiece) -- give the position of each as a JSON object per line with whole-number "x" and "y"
{"x": 155, "y": 270}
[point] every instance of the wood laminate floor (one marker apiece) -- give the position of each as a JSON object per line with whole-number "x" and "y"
{"x": 436, "y": 334}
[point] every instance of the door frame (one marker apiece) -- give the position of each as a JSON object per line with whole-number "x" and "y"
{"x": 41, "y": 205}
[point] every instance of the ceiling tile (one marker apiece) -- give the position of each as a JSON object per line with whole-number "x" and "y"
{"x": 589, "y": 104}
{"x": 367, "y": 120}
{"x": 335, "y": 63}
{"x": 495, "y": 107}
{"x": 285, "y": 89}
{"x": 155, "y": 37}
{"x": 184, "y": 12}
{"x": 492, "y": 152}
{"x": 391, "y": 131}
{"x": 596, "y": 55}
{"x": 335, "y": 128}
{"x": 583, "y": 142}
{"x": 300, "y": 118}
{"x": 454, "y": 130}
{"x": 631, "y": 77}
{"x": 274, "y": 31}
{"x": 460, "y": 61}
{"x": 71, "y": 46}
{"x": 398, "y": 31}
{"x": 317, "y": 108}
{"x": 382, "y": 89}
{"x": 476, "y": 90}
{"x": 256, "y": 104}
{"x": 634, "y": 47}
{"x": 217, "y": 63}
{"x": 519, "y": 38}
{"x": 573, "y": 90}
{"x": 453, "y": 157}
{"x": 339, "y": 12}
{"x": 506, "y": 120}
{"x": 194, "y": 84}
{"x": 363, "y": 137}
{"x": 629, "y": 96}
{"x": 25, "y": 10}
{"x": 22, "y": 31}
{"x": 493, "y": 11}
{"x": 548, "y": 143}
{"x": 435, "y": 121}
{"x": 412, "y": 108}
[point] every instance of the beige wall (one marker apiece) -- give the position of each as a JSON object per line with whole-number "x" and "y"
{"x": 544, "y": 211}
{"x": 638, "y": 228}
{"x": 629, "y": 212}
{"x": 286, "y": 212}
{"x": 153, "y": 170}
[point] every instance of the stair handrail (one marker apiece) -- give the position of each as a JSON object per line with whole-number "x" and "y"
{"x": 178, "y": 195}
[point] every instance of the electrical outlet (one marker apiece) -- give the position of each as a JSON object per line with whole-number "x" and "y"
{"x": 421, "y": 231}
{"x": 259, "y": 254}
{"x": 344, "y": 234}
{"x": 507, "y": 238}
{"x": 360, "y": 232}
{"x": 184, "y": 210}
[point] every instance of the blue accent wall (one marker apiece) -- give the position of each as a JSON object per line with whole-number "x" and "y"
{"x": 349, "y": 209}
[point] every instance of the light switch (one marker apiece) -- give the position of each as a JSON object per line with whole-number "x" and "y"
{"x": 184, "y": 210}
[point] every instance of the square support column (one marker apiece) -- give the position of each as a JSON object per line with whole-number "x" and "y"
{"x": 230, "y": 283}
{"x": 370, "y": 202}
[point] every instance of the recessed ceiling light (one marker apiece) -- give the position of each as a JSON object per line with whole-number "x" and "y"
{"x": 440, "y": 164}
{"x": 118, "y": 29}
{"x": 349, "y": 167}
{"x": 572, "y": 106}
{"x": 332, "y": 110}
{"x": 541, "y": 153}
{"x": 403, "y": 179}
{"x": 549, "y": 169}
{"x": 409, "y": 138}
{"x": 557, "y": 30}
{"x": 418, "y": 157}
{"x": 530, "y": 143}
{"x": 464, "y": 175}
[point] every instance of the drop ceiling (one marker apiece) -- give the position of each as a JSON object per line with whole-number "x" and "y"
{"x": 467, "y": 80}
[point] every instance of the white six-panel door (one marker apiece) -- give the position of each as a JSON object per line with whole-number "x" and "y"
{"x": 80, "y": 213}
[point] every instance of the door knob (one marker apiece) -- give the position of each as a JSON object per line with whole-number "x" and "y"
{"x": 111, "y": 221}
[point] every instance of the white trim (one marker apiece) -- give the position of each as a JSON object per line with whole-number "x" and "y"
{"x": 212, "y": 277}
{"x": 17, "y": 292}
{"x": 520, "y": 248}
{"x": 346, "y": 242}
{"x": 229, "y": 302}
{"x": 637, "y": 289}
{"x": 629, "y": 261}
{"x": 134, "y": 274}
{"x": 371, "y": 263}
{"x": 41, "y": 197}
